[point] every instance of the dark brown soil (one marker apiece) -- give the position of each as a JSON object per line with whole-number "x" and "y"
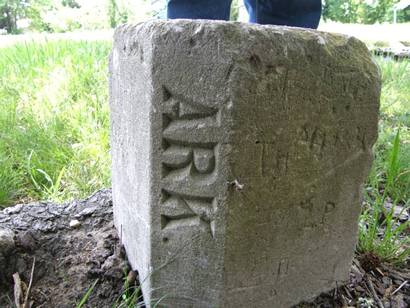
{"x": 68, "y": 260}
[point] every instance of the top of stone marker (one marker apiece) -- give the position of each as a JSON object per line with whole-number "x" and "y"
{"x": 239, "y": 33}
{"x": 181, "y": 25}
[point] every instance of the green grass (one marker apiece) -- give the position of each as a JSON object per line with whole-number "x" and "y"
{"x": 380, "y": 232}
{"x": 131, "y": 296}
{"x": 395, "y": 115}
{"x": 54, "y": 135}
{"x": 53, "y": 120}
{"x": 87, "y": 295}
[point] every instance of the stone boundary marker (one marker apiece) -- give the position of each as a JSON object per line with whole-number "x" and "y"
{"x": 239, "y": 154}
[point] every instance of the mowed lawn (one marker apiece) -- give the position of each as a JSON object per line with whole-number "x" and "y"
{"x": 54, "y": 134}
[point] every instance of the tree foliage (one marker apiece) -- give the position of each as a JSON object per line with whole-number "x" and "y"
{"x": 359, "y": 11}
{"x": 71, "y": 3}
{"x": 116, "y": 14}
{"x": 11, "y": 11}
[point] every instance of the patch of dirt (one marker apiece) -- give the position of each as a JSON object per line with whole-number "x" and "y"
{"x": 73, "y": 245}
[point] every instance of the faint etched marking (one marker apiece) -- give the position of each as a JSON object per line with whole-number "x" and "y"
{"x": 314, "y": 138}
{"x": 274, "y": 161}
{"x": 316, "y": 213}
{"x": 307, "y": 204}
{"x": 319, "y": 140}
{"x": 283, "y": 268}
{"x": 328, "y": 209}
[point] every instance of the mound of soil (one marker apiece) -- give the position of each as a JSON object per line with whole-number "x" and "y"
{"x": 72, "y": 244}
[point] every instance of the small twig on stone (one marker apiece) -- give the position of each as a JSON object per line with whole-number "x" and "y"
{"x": 401, "y": 286}
{"x": 375, "y": 296}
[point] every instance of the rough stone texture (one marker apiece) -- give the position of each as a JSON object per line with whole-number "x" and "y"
{"x": 239, "y": 153}
{"x": 68, "y": 259}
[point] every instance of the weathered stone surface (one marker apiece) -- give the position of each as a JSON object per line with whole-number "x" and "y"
{"x": 239, "y": 152}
